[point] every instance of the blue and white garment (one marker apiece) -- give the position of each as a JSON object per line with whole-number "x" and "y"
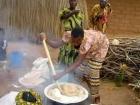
{"x": 3, "y": 46}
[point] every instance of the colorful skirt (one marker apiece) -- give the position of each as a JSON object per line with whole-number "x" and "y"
{"x": 89, "y": 72}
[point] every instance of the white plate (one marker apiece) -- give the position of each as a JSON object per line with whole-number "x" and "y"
{"x": 31, "y": 84}
{"x": 9, "y": 99}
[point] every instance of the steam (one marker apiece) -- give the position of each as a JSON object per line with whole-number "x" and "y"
{"x": 21, "y": 32}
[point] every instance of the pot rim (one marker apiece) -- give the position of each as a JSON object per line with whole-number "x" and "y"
{"x": 78, "y": 101}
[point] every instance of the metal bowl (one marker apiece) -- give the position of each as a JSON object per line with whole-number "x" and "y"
{"x": 79, "y": 100}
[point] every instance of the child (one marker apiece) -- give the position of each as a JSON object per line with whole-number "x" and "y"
{"x": 3, "y": 46}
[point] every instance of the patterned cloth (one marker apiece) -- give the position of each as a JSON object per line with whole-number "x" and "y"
{"x": 95, "y": 46}
{"x": 89, "y": 72}
{"x": 3, "y": 46}
{"x": 73, "y": 21}
{"x": 99, "y": 16}
{"x": 68, "y": 53}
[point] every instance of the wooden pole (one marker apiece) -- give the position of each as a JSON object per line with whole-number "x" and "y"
{"x": 51, "y": 64}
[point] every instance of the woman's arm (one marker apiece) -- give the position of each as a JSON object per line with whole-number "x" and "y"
{"x": 53, "y": 43}
{"x": 69, "y": 14}
{"x": 72, "y": 67}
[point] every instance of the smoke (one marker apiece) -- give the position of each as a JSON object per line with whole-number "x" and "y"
{"x": 23, "y": 41}
{"x": 30, "y": 52}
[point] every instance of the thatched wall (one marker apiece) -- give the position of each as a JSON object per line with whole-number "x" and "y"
{"x": 29, "y": 17}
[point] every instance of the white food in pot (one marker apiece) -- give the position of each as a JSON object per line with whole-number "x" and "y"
{"x": 56, "y": 94}
{"x": 66, "y": 96}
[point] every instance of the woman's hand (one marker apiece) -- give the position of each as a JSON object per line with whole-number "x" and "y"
{"x": 58, "y": 75}
{"x": 43, "y": 36}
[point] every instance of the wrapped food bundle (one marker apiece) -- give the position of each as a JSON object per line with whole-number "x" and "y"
{"x": 38, "y": 74}
{"x": 28, "y": 97}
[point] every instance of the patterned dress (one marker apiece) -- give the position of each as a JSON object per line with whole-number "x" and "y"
{"x": 99, "y": 16}
{"x": 68, "y": 53}
{"x": 95, "y": 45}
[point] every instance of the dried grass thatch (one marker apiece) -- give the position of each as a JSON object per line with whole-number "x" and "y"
{"x": 29, "y": 17}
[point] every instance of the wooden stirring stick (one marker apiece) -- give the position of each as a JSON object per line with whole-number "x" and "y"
{"x": 51, "y": 64}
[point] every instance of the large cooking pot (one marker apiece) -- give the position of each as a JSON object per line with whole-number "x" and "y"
{"x": 68, "y": 100}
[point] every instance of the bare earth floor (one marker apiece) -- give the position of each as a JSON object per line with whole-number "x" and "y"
{"x": 110, "y": 94}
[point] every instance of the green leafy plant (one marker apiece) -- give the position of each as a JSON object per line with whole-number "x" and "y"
{"x": 120, "y": 76}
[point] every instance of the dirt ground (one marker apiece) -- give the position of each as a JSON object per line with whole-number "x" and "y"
{"x": 110, "y": 94}
{"x": 116, "y": 18}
